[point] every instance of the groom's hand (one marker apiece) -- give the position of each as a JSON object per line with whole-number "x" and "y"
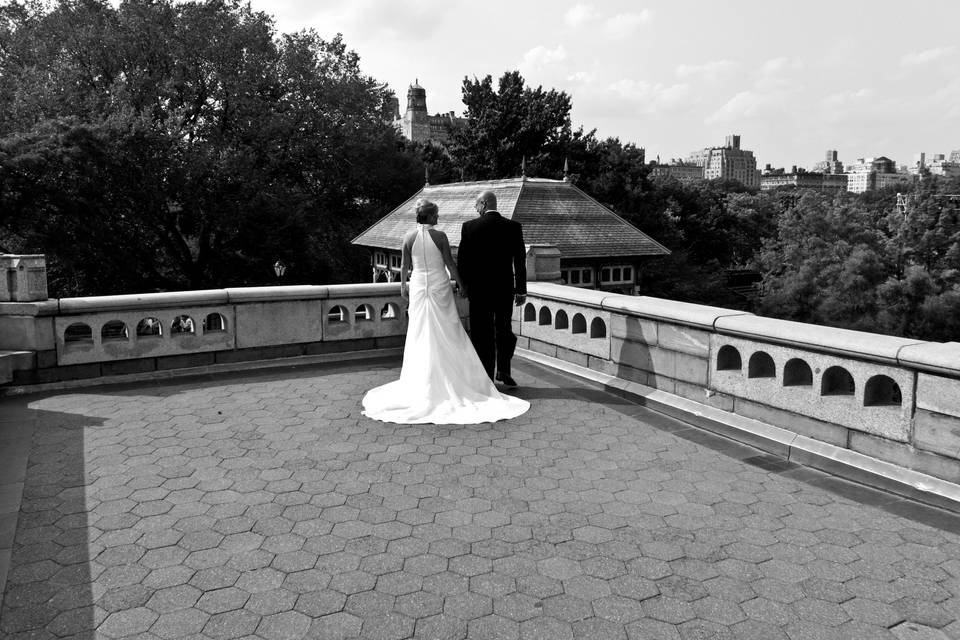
{"x": 519, "y": 299}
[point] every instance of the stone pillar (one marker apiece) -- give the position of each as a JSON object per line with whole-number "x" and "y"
{"x": 26, "y": 315}
{"x": 543, "y": 263}
{"x": 23, "y": 278}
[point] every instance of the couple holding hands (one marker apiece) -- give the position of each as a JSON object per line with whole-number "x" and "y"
{"x": 448, "y": 377}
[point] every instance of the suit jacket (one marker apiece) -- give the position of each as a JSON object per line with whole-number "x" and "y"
{"x": 492, "y": 258}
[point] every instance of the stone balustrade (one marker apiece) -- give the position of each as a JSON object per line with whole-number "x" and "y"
{"x": 892, "y": 399}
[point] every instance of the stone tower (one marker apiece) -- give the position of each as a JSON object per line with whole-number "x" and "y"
{"x": 416, "y": 123}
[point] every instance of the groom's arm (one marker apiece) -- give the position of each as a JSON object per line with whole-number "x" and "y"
{"x": 463, "y": 255}
{"x": 519, "y": 251}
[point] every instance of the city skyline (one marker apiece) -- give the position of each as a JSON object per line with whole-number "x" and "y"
{"x": 867, "y": 79}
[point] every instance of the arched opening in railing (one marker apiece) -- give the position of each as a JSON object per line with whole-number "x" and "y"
{"x": 837, "y": 381}
{"x": 797, "y": 373}
{"x": 337, "y": 314}
{"x": 545, "y": 317}
{"x": 761, "y": 365}
{"x": 579, "y": 323}
{"x": 598, "y": 328}
{"x": 560, "y": 320}
{"x": 182, "y": 324}
{"x": 78, "y": 332}
{"x": 363, "y": 313}
{"x": 529, "y": 312}
{"x": 149, "y": 328}
{"x": 882, "y": 391}
{"x": 389, "y": 312}
{"x": 214, "y": 323}
{"x": 728, "y": 359}
{"x": 114, "y": 330}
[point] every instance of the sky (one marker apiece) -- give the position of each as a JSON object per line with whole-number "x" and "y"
{"x": 793, "y": 79}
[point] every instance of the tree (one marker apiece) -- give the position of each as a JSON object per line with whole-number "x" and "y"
{"x": 204, "y": 146}
{"x": 510, "y": 124}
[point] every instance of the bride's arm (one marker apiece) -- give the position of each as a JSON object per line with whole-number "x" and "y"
{"x": 405, "y": 264}
{"x": 448, "y": 260}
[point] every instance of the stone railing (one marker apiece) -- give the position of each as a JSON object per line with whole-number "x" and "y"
{"x": 71, "y": 338}
{"x": 891, "y": 399}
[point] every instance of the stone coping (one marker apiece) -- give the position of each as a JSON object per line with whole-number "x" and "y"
{"x": 237, "y": 295}
{"x": 565, "y": 293}
{"x": 39, "y": 308}
{"x": 695, "y": 315}
{"x": 932, "y": 356}
{"x": 845, "y": 342}
{"x": 95, "y": 304}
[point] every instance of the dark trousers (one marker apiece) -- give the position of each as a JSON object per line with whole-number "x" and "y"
{"x": 492, "y": 334}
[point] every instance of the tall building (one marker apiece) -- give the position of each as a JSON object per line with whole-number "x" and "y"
{"x": 937, "y": 165}
{"x": 830, "y": 165}
{"x": 798, "y": 177}
{"x": 417, "y": 124}
{"x": 729, "y": 162}
{"x": 868, "y": 174}
{"x": 683, "y": 171}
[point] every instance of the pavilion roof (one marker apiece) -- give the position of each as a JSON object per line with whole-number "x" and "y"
{"x": 552, "y": 212}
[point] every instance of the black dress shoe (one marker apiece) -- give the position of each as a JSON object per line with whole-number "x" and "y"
{"x": 506, "y": 379}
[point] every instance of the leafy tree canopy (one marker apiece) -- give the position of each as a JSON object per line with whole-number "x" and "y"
{"x": 185, "y": 145}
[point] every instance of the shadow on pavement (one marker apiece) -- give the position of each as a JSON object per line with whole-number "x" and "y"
{"x": 48, "y": 584}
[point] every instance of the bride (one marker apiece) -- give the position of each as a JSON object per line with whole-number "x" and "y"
{"x": 442, "y": 380}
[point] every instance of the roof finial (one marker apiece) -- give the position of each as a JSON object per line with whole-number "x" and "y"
{"x": 566, "y": 169}
{"x": 426, "y": 174}
{"x": 523, "y": 167}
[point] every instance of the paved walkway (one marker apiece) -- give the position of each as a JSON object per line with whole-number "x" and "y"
{"x": 263, "y": 505}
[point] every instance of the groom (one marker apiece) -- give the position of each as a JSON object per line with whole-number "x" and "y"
{"x": 491, "y": 259}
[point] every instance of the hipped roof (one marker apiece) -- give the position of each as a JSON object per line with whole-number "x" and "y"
{"x": 553, "y": 212}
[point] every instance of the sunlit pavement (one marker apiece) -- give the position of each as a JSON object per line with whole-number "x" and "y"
{"x": 263, "y": 505}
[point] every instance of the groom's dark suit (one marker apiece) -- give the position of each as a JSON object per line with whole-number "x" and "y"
{"x": 491, "y": 260}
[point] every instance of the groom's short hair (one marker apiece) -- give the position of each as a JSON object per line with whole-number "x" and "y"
{"x": 425, "y": 210}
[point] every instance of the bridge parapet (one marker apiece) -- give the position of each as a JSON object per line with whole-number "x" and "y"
{"x": 893, "y": 399}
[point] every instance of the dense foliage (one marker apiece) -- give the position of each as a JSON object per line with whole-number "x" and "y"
{"x": 162, "y": 145}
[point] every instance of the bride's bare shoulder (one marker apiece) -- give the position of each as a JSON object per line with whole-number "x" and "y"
{"x": 438, "y": 235}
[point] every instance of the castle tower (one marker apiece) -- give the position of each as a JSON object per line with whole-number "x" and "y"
{"x": 416, "y": 123}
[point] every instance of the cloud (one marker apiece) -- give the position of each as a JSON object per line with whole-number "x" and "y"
{"x": 540, "y": 57}
{"x": 748, "y": 105}
{"x": 845, "y": 98}
{"x": 580, "y": 15}
{"x": 648, "y": 98}
{"x": 621, "y": 25}
{"x": 625, "y": 24}
{"x": 413, "y": 20}
{"x": 581, "y": 77}
{"x": 709, "y": 69}
{"x": 927, "y": 56}
{"x": 779, "y": 65}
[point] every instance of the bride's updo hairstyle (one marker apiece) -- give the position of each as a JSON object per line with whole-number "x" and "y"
{"x": 425, "y": 211}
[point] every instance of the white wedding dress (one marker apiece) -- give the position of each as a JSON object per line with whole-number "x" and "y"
{"x": 442, "y": 380}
